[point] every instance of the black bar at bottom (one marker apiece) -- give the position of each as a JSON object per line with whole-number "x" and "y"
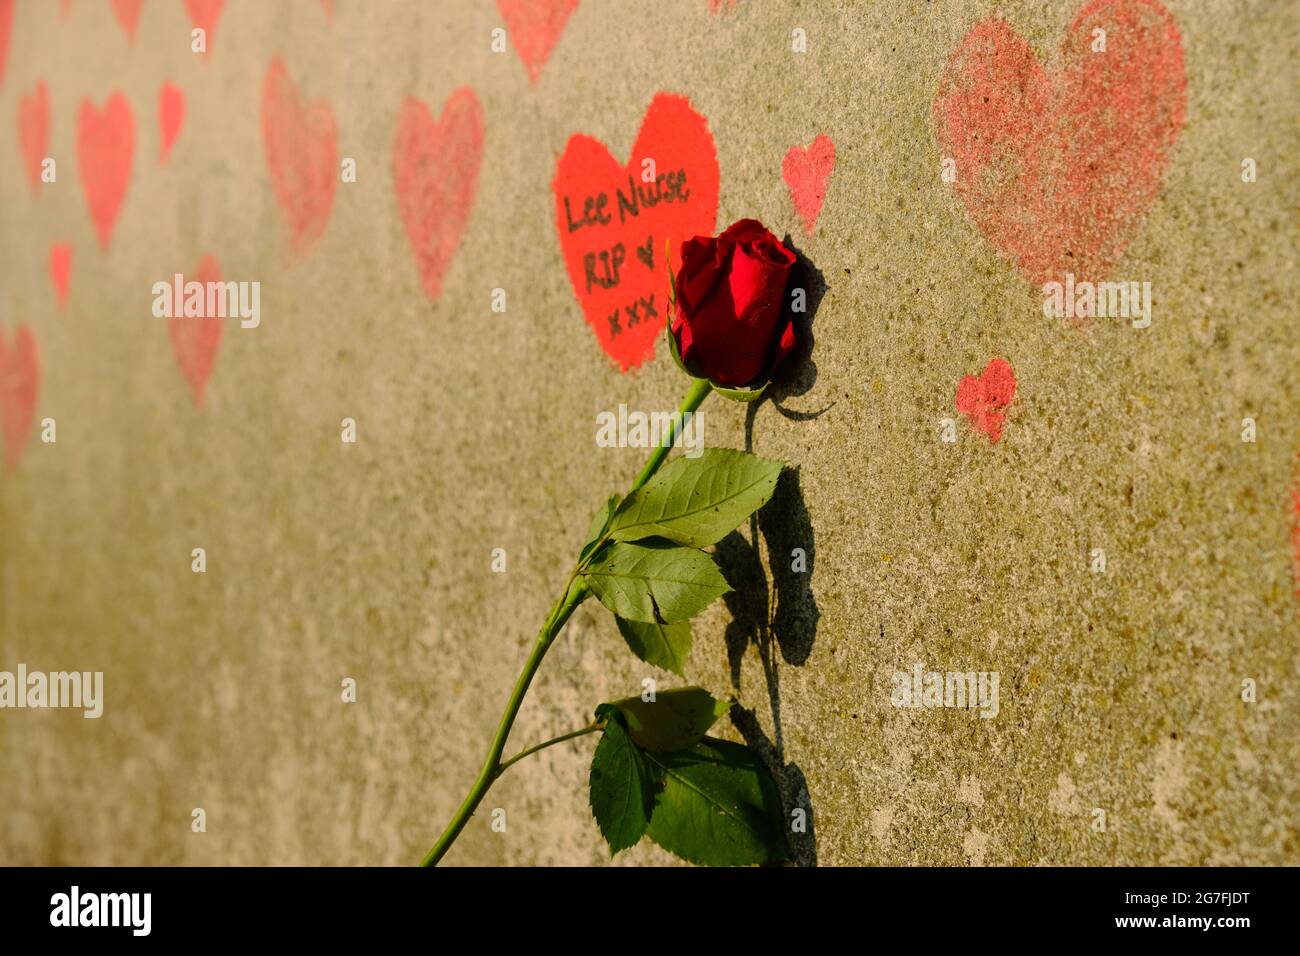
{"x": 334, "y": 906}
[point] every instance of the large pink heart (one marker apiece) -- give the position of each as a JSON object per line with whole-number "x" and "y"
{"x": 6, "y": 27}
{"x": 34, "y": 131}
{"x": 534, "y": 27}
{"x": 20, "y": 378}
{"x": 1057, "y": 169}
{"x": 302, "y": 153}
{"x": 105, "y": 147}
{"x": 435, "y": 176}
{"x": 204, "y": 14}
{"x": 195, "y": 338}
{"x": 128, "y": 14}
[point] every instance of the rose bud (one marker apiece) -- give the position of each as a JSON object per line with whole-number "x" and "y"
{"x": 731, "y": 326}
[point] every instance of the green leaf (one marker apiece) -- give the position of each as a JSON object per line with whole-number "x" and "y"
{"x": 663, "y": 645}
{"x": 654, "y": 581}
{"x": 697, "y": 501}
{"x": 621, "y": 788}
{"x": 719, "y": 806}
{"x": 598, "y": 525}
{"x": 675, "y": 719}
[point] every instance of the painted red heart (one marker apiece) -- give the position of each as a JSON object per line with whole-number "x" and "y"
{"x": 195, "y": 338}
{"x": 982, "y": 398}
{"x": 65, "y": 7}
{"x": 171, "y": 113}
{"x": 105, "y": 147}
{"x": 204, "y": 14}
{"x": 128, "y": 14}
{"x": 613, "y": 226}
{"x": 1058, "y": 169}
{"x": 806, "y": 170}
{"x": 535, "y": 27}
{"x": 302, "y": 153}
{"x": 61, "y": 269}
{"x": 34, "y": 131}
{"x": 20, "y": 379}
{"x": 435, "y": 175}
{"x": 6, "y": 28}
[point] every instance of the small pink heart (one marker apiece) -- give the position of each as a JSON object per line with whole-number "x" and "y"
{"x": 302, "y": 154}
{"x": 128, "y": 14}
{"x": 435, "y": 176}
{"x": 34, "y": 131}
{"x": 171, "y": 113}
{"x": 535, "y": 27}
{"x": 195, "y": 339}
{"x": 20, "y": 377}
{"x": 982, "y": 398}
{"x": 105, "y": 146}
{"x": 61, "y": 269}
{"x": 806, "y": 171}
{"x": 204, "y": 14}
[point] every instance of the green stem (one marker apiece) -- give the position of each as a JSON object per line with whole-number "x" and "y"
{"x": 700, "y": 389}
{"x": 576, "y": 592}
{"x": 547, "y": 743}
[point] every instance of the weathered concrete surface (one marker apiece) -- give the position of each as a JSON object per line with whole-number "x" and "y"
{"x": 1119, "y": 691}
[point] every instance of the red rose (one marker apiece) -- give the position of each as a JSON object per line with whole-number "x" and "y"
{"x": 731, "y": 325}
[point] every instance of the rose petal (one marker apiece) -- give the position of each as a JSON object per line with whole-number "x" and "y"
{"x": 757, "y": 287}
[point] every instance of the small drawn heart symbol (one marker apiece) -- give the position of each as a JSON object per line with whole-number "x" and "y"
{"x": 806, "y": 171}
{"x": 534, "y": 27}
{"x": 982, "y": 398}
{"x": 171, "y": 113}
{"x": 435, "y": 176}
{"x": 20, "y": 377}
{"x": 61, "y": 269}
{"x": 195, "y": 339}
{"x": 34, "y": 131}
{"x": 128, "y": 14}
{"x": 603, "y": 208}
{"x": 1058, "y": 169}
{"x": 302, "y": 154}
{"x": 204, "y": 14}
{"x": 105, "y": 147}
{"x": 646, "y": 253}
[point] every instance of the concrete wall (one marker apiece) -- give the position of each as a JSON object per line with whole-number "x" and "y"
{"x": 1119, "y": 691}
